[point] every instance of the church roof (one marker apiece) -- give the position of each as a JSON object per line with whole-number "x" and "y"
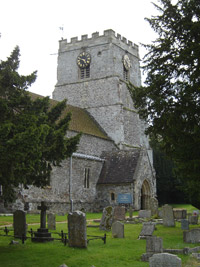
{"x": 119, "y": 167}
{"x": 81, "y": 120}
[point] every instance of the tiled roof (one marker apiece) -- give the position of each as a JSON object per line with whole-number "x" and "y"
{"x": 81, "y": 120}
{"x": 119, "y": 167}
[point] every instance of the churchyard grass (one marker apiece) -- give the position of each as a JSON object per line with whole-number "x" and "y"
{"x": 116, "y": 252}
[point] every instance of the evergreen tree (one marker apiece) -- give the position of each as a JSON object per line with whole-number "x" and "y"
{"x": 32, "y": 132}
{"x": 170, "y": 99}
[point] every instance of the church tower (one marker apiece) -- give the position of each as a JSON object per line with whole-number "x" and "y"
{"x": 92, "y": 74}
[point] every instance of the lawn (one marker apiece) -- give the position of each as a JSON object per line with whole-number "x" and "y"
{"x": 116, "y": 252}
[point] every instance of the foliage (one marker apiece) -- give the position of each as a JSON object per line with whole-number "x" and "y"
{"x": 167, "y": 183}
{"x": 32, "y": 135}
{"x": 170, "y": 99}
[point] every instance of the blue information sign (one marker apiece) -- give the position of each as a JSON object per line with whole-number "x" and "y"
{"x": 124, "y": 198}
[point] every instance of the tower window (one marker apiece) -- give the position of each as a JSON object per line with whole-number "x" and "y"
{"x": 125, "y": 74}
{"x": 84, "y": 72}
{"x": 87, "y": 178}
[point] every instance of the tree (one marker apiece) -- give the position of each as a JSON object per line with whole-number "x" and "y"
{"x": 168, "y": 184}
{"x": 170, "y": 99}
{"x": 32, "y": 132}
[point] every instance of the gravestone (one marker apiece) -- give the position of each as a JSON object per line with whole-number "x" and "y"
{"x": 107, "y": 219}
{"x": 192, "y": 236}
{"x": 184, "y": 224}
{"x": 119, "y": 213}
{"x": 77, "y": 229}
{"x": 153, "y": 203}
{"x": 168, "y": 216}
{"x": 164, "y": 260}
{"x": 147, "y": 230}
{"x": 195, "y": 212}
{"x": 118, "y": 230}
{"x": 42, "y": 234}
{"x": 193, "y": 219}
{"x": 51, "y": 221}
{"x": 180, "y": 214}
{"x": 19, "y": 224}
{"x": 130, "y": 212}
{"x": 154, "y": 245}
{"x": 144, "y": 214}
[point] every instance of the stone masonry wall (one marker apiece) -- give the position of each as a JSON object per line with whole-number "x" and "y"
{"x": 57, "y": 193}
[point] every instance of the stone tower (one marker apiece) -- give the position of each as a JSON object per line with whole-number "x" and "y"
{"x": 92, "y": 75}
{"x": 99, "y": 86}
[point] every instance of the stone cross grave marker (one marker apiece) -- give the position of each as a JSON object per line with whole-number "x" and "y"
{"x": 119, "y": 213}
{"x": 51, "y": 221}
{"x": 106, "y": 219}
{"x": 19, "y": 223}
{"x": 43, "y": 208}
{"x": 77, "y": 229}
{"x": 118, "y": 230}
{"x": 168, "y": 216}
{"x": 164, "y": 260}
{"x": 42, "y": 234}
{"x": 147, "y": 230}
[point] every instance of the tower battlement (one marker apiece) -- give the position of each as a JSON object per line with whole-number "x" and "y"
{"x": 108, "y": 35}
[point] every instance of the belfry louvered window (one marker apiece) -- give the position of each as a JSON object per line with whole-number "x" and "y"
{"x": 125, "y": 74}
{"x": 84, "y": 72}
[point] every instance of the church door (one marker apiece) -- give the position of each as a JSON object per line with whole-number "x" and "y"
{"x": 145, "y": 195}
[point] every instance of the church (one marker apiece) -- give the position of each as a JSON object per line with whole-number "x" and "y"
{"x": 113, "y": 164}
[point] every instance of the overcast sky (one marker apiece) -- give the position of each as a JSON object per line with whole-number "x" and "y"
{"x": 34, "y": 25}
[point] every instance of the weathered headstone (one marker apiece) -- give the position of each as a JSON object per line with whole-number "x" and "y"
{"x": 168, "y": 216}
{"x": 130, "y": 212}
{"x": 193, "y": 219}
{"x": 153, "y": 203}
{"x": 42, "y": 234}
{"x": 180, "y": 214}
{"x": 19, "y": 223}
{"x": 195, "y": 212}
{"x": 107, "y": 219}
{"x": 77, "y": 229}
{"x": 144, "y": 214}
{"x": 51, "y": 221}
{"x": 147, "y": 230}
{"x": 191, "y": 236}
{"x": 164, "y": 260}
{"x": 118, "y": 230}
{"x": 119, "y": 213}
{"x": 154, "y": 245}
{"x": 184, "y": 224}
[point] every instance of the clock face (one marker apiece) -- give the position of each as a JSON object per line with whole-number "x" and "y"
{"x": 83, "y": 60}
{"x": 127, "y": 62}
